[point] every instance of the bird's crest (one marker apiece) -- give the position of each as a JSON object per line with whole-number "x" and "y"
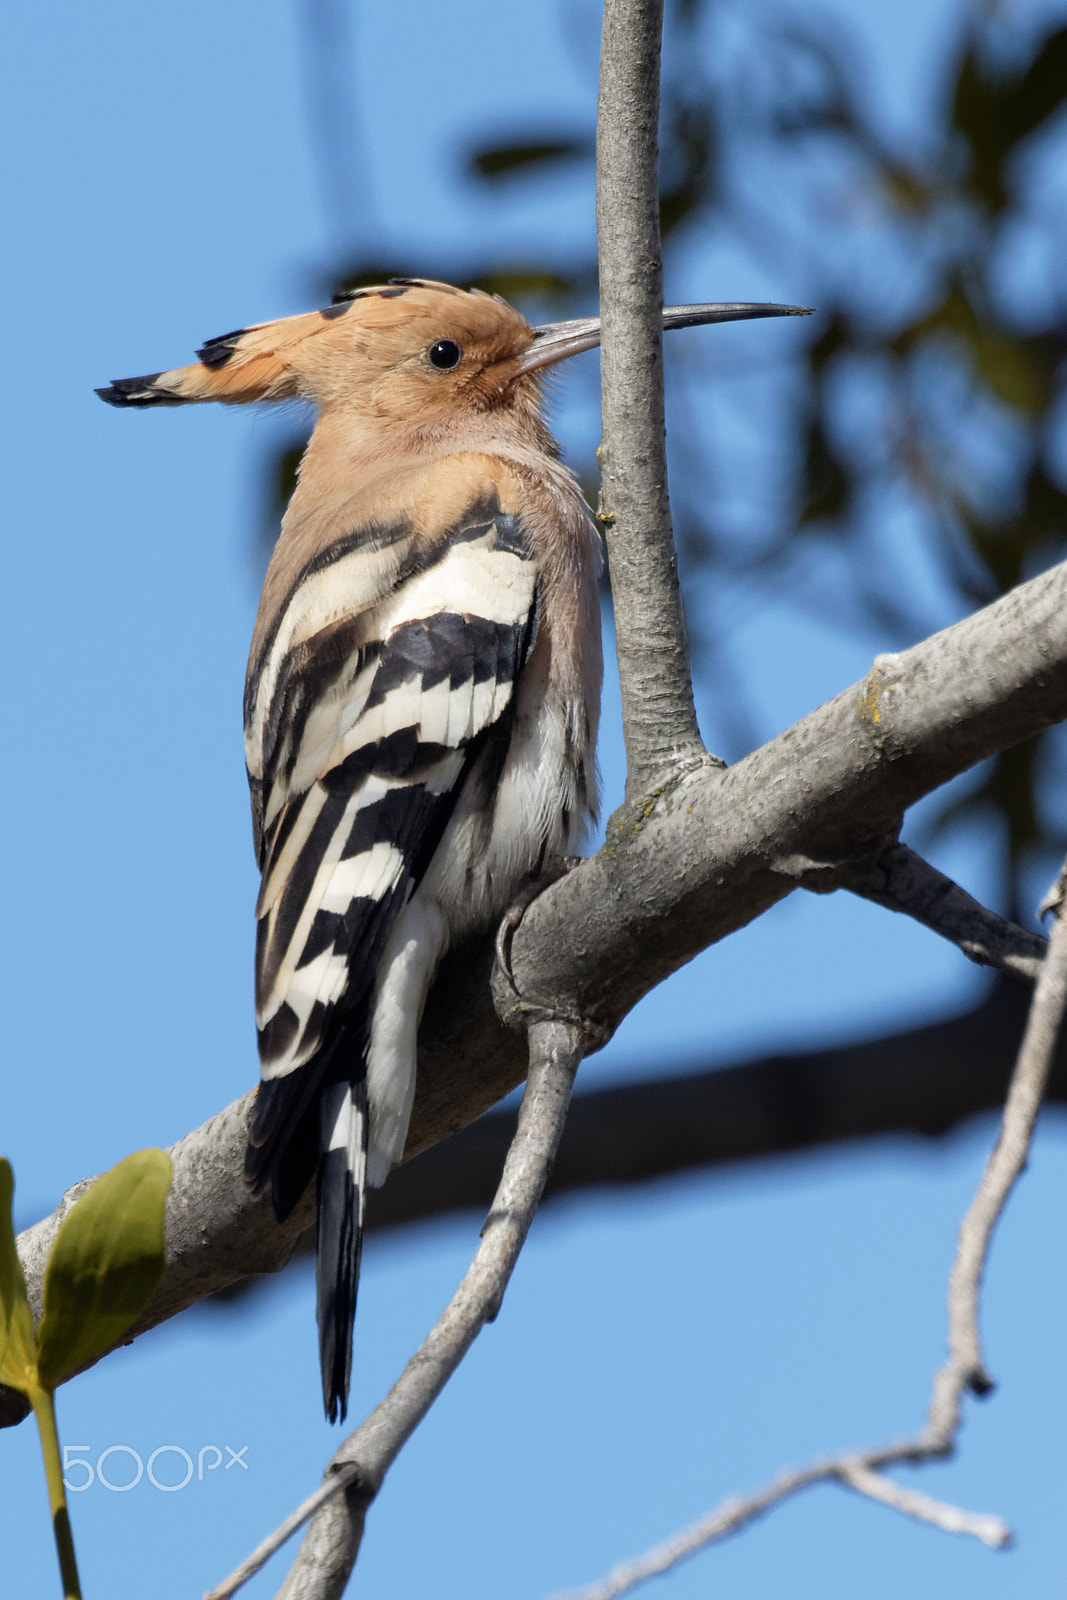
{"x": 302, "y": 356}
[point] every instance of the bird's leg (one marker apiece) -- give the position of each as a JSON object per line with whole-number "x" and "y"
{"x": 551, "y": 872}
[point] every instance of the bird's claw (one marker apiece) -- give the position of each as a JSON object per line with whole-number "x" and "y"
{"x": 550, "y": 873}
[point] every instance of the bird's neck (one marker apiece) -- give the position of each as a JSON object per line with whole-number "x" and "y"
{"x": 349, "y": 463}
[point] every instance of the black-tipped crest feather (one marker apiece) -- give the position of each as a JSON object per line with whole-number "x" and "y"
{"x": 137, "y": 392}
{"x": 217, "y": 351}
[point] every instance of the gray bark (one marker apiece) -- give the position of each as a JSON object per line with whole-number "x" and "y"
{"x": 659, "y": 721}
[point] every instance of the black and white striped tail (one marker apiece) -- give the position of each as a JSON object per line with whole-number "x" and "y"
{"x": 342, "y": 1192}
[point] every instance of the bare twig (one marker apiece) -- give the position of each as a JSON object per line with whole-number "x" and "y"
{"x": 965, "y": 1368}
{"x": 659, "y": 721}
{"x": 989, "y": 1530}
{"x": 730, "y": 1517}
{"x": 863, "y": 1471}
{"x": 900, "y": 880}
{"x": 355, "y": 1473}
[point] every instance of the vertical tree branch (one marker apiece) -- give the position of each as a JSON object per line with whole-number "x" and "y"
{"x": 659, "y": 720}
{"x": 355, "y": 1473}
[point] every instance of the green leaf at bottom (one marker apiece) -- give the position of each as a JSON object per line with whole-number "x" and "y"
{"x": 106, "y": 1261}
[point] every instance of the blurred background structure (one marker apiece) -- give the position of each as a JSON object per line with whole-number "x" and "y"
{"x": 840, "y": 488}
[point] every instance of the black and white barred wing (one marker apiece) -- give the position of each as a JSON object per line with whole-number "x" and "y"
{"x": 382, "y": 718}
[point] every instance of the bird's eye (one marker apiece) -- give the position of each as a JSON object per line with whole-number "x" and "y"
{"x": 444, "y": 355}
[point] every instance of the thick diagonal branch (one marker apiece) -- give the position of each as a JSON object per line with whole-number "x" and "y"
{"x": 680, "y": 870}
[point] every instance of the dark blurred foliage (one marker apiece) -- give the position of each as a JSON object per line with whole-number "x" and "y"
{"x": 931, "y": 382}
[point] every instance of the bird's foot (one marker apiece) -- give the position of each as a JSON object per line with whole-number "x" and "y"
{"x": 551, "y": 872}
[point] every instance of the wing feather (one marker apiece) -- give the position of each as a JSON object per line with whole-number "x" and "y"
{"x": 374, "y": 723}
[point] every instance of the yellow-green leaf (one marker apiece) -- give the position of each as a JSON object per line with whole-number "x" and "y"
{"x": 104, "y": 1265}
{"x": 18, "y": 1359}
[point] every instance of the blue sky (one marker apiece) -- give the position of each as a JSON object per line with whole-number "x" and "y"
{"x": 657, "y": 1349}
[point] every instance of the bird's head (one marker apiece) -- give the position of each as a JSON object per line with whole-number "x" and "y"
{"x": 402, "y": 351}
{"x": 407, "y": 352}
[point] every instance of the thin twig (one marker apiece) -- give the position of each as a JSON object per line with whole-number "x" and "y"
{"x": 355, "y": 1473}
{"x": 730, "y": 1517}
{"x": 902, "y": 881}
{"x": 965, "y": 1368}
{"x": 863, "y": 1471}
{"x": 979, "y": 1525}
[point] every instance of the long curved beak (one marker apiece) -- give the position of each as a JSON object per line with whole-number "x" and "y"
{"x": 554, "y": 341}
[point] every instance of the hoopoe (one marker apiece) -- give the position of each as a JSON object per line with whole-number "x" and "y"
{"x": 420, "y": 707}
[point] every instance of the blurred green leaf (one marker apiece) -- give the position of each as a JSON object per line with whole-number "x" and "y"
{"x": 509, "y": 160}
{"x": 18, "y": 1357}
{"x": 105, "y": 1264}
{"x": 1012, "y": 367}
{"x": 906, "y": 191}
{"x": 1005, "y": 544}
{"x": 836, "y": 335}
{"x": 687, "y": 166}
{"x": 977, "y": 114}
{"x": 1041, "y": 90}
{"x": 1006, "y": 367}
{"x": 518, "y": 283}
{"x": 1044, "y": 512}
{"x": 997, "y": 544}
{"x": 826, "y": 485}
{"x": 994, "y": 109}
